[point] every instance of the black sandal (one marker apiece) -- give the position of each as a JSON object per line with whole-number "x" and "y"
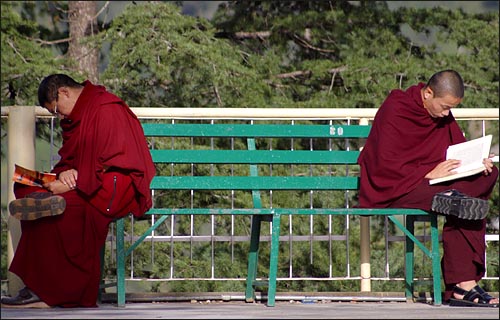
{"x": 483, "y": 298}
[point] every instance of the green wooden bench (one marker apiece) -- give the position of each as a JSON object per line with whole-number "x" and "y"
{"x": 255, "y": 183}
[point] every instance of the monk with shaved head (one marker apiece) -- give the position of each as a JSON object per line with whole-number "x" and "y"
{"x": 405, "y": 149}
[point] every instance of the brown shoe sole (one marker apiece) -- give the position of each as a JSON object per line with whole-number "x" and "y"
{"x": 32, "y": 209}
{"x": 34, "y": 305}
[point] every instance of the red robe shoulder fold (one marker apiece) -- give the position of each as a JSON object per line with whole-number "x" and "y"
{"x": 102, "y": 132}
{"x": 404, "y": 144}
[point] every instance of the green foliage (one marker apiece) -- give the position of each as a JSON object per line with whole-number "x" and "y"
{"x": 174, "y": 60}
{"x": 366, "y": 40}
{"x": 24, "y": 61}
{"x": 477, "y": 62}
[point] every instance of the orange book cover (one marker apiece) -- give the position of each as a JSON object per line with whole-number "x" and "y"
{"x": 32, "y": 177}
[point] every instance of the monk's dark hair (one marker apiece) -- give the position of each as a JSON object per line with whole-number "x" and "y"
{"x": 446, "y": 82}
{"x": 47, "y": 90}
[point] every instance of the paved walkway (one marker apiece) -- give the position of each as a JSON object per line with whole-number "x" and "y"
{"x": 241, "y": 310}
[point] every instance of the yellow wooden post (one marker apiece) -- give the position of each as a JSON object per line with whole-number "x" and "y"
{"x": 365, "y": 244}
{"x": 21, "y": 150}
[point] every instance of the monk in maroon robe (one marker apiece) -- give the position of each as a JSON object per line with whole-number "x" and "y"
{"x": 405, "y": 149}
{"x": 104, "y": 173}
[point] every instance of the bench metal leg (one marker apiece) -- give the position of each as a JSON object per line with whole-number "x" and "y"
{"x": 253, "y": 258}
{"x": 409, "y": 261}
{"x": 273, "y": 264}
{"x": 433, "y": 254}
{"x": 120, "y": 263}
{"x": 436, "y": 258}
{"x": 101, "y": 283}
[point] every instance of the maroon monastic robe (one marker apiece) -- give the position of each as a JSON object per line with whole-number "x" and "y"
{"x": 58, "y": 257}
{"x": 404, "y": 144}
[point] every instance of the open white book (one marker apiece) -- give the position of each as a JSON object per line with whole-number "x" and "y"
{"x": 471, "y": 153}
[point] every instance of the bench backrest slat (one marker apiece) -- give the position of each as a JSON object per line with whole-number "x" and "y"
{"x": 255, "y": 131}
{"x": 255, "y": 156}
{"x": 254, "y": 183}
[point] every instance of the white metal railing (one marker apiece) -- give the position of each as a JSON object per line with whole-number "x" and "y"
{"x": 270, "y": 113}
{"x": 22, "y": 138}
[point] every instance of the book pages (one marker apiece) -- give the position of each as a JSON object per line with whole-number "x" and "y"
{"x": 471, "y": 154}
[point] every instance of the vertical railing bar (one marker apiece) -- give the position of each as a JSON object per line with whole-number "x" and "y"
{"x": 348, "y": 257}
{"x": 232, "y": 207}
{"x": 290, "y": 219}
{"x": 330, "y": 221}
{"x": 311, "y": 217}
{"x": 212, "y": 217}
{"x": 386, "y": 231}
{"x": 191, "y": 217}
{"x": 52, "y": 130}
{"x": 172, "y": 221}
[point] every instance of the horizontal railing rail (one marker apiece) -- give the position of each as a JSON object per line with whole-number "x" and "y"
{"x": 269, "y": 113}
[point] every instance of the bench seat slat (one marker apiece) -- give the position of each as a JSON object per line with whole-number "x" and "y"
{"x": 254, "y": 183}
{"x": 285, "y": 211}
{"x": 255, "y": 156}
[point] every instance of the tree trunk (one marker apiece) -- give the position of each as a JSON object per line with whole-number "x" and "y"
{"x": 83, "y": 23}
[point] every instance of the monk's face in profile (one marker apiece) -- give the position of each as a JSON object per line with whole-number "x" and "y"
{"x": 439, "y": 107}
{"x": 64, "y": 103}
